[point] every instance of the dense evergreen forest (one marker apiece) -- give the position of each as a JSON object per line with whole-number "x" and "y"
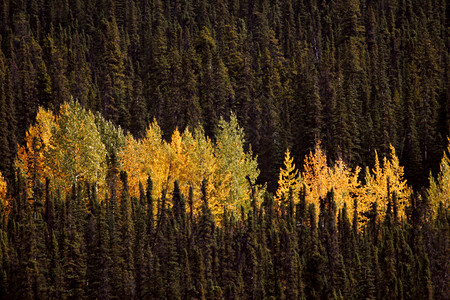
{"x": 238, "y": 149}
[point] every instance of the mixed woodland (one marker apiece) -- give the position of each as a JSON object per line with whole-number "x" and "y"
{"x": 238, "y": 149}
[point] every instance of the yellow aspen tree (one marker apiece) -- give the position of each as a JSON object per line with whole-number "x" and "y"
{"x": 31, "y": 159}
{"x": 178, "y": 155}
{"x": 383, "y": 182}
{"x": 132, "y": 163}
{"x": 375, "y": 186}
{"x": 439, "y": 190}
{"x": 319, "y": 179}
{"x": 346, "y": 186}
{"x": 316, "y": 176}
{"x": 395, "y": 174}
{"x": 147, "y": 157}
{"x": 200, "y": 165}
{"x": 288, "y": 180}
{"x": 156, "y": 159}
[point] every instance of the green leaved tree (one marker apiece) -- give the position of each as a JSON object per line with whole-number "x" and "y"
{"x": 237, "y": 168}
{"x": 76, "y": 151}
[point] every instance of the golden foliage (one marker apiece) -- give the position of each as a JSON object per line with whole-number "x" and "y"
{"x": 147, "y": 157}
{"x": 132, "y": 163}
{"x": 191, "y": 159}
{"x": 319, "y": 179}
{"x": 383, "y": 182}
{"x": 66, "y": 148}
{"x": 31, "y": 159}
{"x": 288, "y": 180}
{"x": 69, "y": 147}
{"x": 200, "y": 165}
{"x": 316, "y": 176}
{"x": 347, "y": 187}
{"x": 3, "y": 190}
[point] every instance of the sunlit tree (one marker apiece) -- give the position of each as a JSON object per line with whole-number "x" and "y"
{"x": 319, "y": 178}
{"x": 288, "y": 180}
{"x": 383, "y": 182}
{"x": 147, "y": 157}
{"x": 234, "y": 166}
{"x": 31, "y": 156}
{"x": 200, "y": 165}
{"x": 316, "y": 176}
{"x": 132, "y": 162}
{"x": 76, "y": 152}
{"x": 347, "y": 188}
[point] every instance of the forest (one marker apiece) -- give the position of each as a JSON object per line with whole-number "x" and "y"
{"x": 236, "y": 149}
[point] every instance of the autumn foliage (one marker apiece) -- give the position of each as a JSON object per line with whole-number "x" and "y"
{"x": 383, "y": 183}
{"x": 192, "y": 158}
{"x": 65, "y": 148}
{"x": 75, "y": 146}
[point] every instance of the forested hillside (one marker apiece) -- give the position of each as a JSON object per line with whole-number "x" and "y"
{"x": 239, "y": 149}
{"x": 356, "y": 75}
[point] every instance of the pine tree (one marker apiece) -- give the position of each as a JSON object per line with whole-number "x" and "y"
{"x": 315, "y": 262}
{"x": 72, "y": 245}
{"x": 92, "y": 278}
{"x": 140, "y": 243}
{"x": 309, "y": 120}
{"x": 7, "y": 120}
{"x": 126, "y": 240}
{"x": 215, "y": 90}
{"x": 115, "y": 271}
{"x": 57, "y": 69}
{"x": 113, "y": 81}
{"x": 205, "y": 235}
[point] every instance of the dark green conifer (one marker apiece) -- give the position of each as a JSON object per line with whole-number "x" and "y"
{"x": 126, "y": 264}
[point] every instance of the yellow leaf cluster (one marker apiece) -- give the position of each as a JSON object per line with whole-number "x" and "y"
{"x": 146, "y": 157}
{"x": 31, "y": 160}
{"x": 187, "y": 158}
{"x": 192, "y": 158}
{"x": 347, "y": 187}
{"x": 316, "y": 176}
{"x": 200, "y": 164}
{"x": 383, "y": 182}
{"x": 319, "y": 179}
{"x": 3, "y": 190}
{"x": 65, "y": 148}
{"x": 288, "y": 180}
{"x": 73, "y": 147}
